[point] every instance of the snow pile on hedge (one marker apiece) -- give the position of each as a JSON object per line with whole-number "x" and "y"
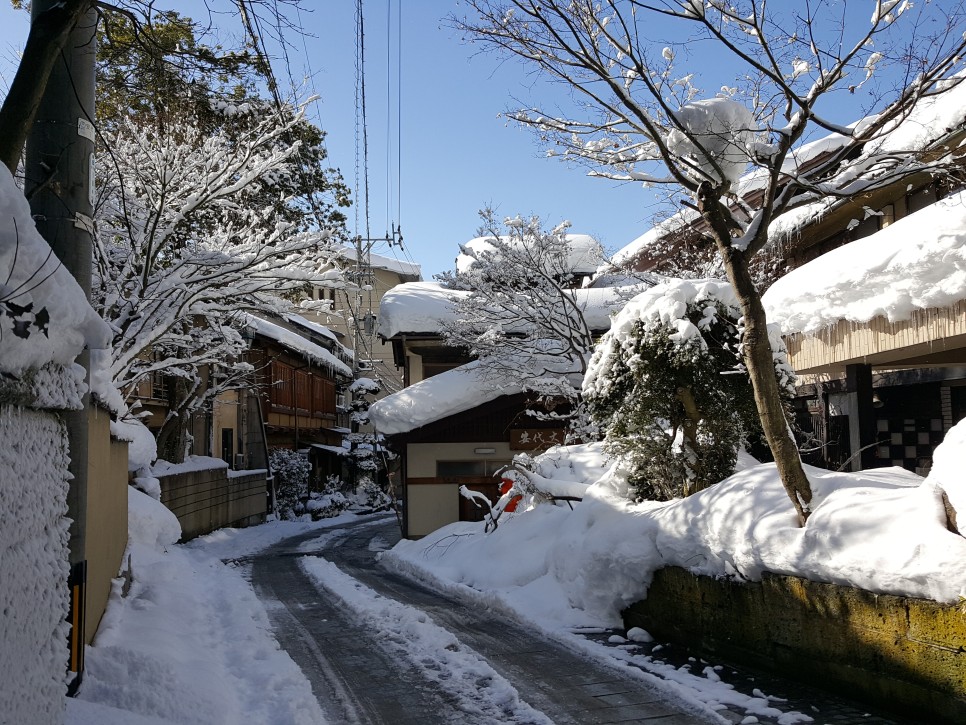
{"x": 882, "y": 530}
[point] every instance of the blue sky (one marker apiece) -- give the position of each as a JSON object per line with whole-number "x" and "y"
{"x": 456, "y": 157}
{"x": 457, "y": 154}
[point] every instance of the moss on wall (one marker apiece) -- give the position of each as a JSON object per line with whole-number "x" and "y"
{"x": 908, "y": 655}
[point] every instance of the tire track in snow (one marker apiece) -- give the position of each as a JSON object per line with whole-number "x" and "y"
{"x": 481, "y": 692}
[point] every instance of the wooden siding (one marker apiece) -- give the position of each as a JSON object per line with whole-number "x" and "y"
{"x": 933, "y": 337}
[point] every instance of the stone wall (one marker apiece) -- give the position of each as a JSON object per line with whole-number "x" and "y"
{"x": 903, "y": 655}
{"x": 209, "y": 499}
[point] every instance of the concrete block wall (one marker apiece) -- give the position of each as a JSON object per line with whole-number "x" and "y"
{"x": 213, "y": 498}
{"x": 905, "y": 655}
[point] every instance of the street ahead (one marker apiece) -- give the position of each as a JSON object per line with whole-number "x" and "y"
{"x": 379, "y": 648}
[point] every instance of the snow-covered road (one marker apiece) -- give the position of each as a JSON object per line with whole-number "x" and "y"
{"x": 379, "y": 648}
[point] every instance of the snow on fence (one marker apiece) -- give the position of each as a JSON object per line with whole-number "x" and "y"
{"x": 209, "y": 498}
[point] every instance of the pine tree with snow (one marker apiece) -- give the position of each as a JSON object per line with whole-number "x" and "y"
{"x": 291, "y": 471}
{"x": 668, "y": 389}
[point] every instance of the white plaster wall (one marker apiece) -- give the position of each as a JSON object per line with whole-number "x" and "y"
{"x": 33, "y": 566}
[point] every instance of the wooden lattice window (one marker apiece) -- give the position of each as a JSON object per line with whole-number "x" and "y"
{"x": 282, "y": 392}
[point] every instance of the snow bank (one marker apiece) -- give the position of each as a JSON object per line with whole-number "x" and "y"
{"x": 916, "y": 263}
{"x": 44, "y": 315}
{"x": 150, "y": 522}
{"x": 33, "y": 566}
{"x": 947, "y": 470}
{"x": 190, "y": 643}
{"x": 881, "y": 530}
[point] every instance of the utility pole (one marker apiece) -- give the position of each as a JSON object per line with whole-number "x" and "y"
{"x": 59, "y": 170}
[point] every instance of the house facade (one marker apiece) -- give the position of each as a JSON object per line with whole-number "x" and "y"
{"x": 457, "y": 422}
{"x": 301, "y": 376}
{"x": 868, "y": 288}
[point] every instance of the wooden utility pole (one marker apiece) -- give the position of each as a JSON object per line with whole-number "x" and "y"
{"x": 59, "y": 171}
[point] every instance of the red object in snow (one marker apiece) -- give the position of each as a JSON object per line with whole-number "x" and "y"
{"x": 505, "y": 486}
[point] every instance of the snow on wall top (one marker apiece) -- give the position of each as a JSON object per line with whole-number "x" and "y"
{"x": 298, "y": 344}
{"x": 60, "y": 321}
{"x": 916, "y": 263}
{"x": 584, "y": 252}
{"x": 420, "y": 307}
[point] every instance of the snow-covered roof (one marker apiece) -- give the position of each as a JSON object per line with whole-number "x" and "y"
{"x": 297, "y": 344}
{"x": 916, "y": 263}
{"x": 675, "y": 223}
{"x": 315, "y": 327}
{"x": 451, "y": 392}
{"x": 584, "y": 252}
{"x": 322, "y": 331}
{"x": 435, "y": 398}
{"x": 415, "y": 307}
{"x": 420, "y": 307}
{"x": 390, "y": 264}
{"x": 45, "y": 316}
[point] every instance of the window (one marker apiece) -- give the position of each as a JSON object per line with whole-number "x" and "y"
{"x": 158, "y": 390}
{"x": 482, "y": 467}
{"x": 282, "y": 391}
{"x": 303, "y": 390}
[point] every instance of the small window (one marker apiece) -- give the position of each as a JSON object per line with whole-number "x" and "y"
{"x": 468, "y": 469}
{"x": 888, "y": 215}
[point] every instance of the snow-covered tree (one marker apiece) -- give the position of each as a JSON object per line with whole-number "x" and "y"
{"x": 521, "y": 311}
{"x": 291, "y": 471}
{"x": 782, "y": 70}
{"x": 367, "y": 456}
{"x": 668, "y": 389}
{"x": 186, "y": 239}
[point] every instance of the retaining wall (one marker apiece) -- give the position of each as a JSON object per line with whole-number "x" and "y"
{"x": 209, "y": 499}
{"x": 904, "y": 655}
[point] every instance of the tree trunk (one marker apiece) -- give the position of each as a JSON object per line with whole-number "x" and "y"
{"x": 761, "y": 369}
{"x": 173, "y": 439}
{"x": 48, "y": 35}
{"x": 759, "y": 359}
{"x": 692, "y": 418}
